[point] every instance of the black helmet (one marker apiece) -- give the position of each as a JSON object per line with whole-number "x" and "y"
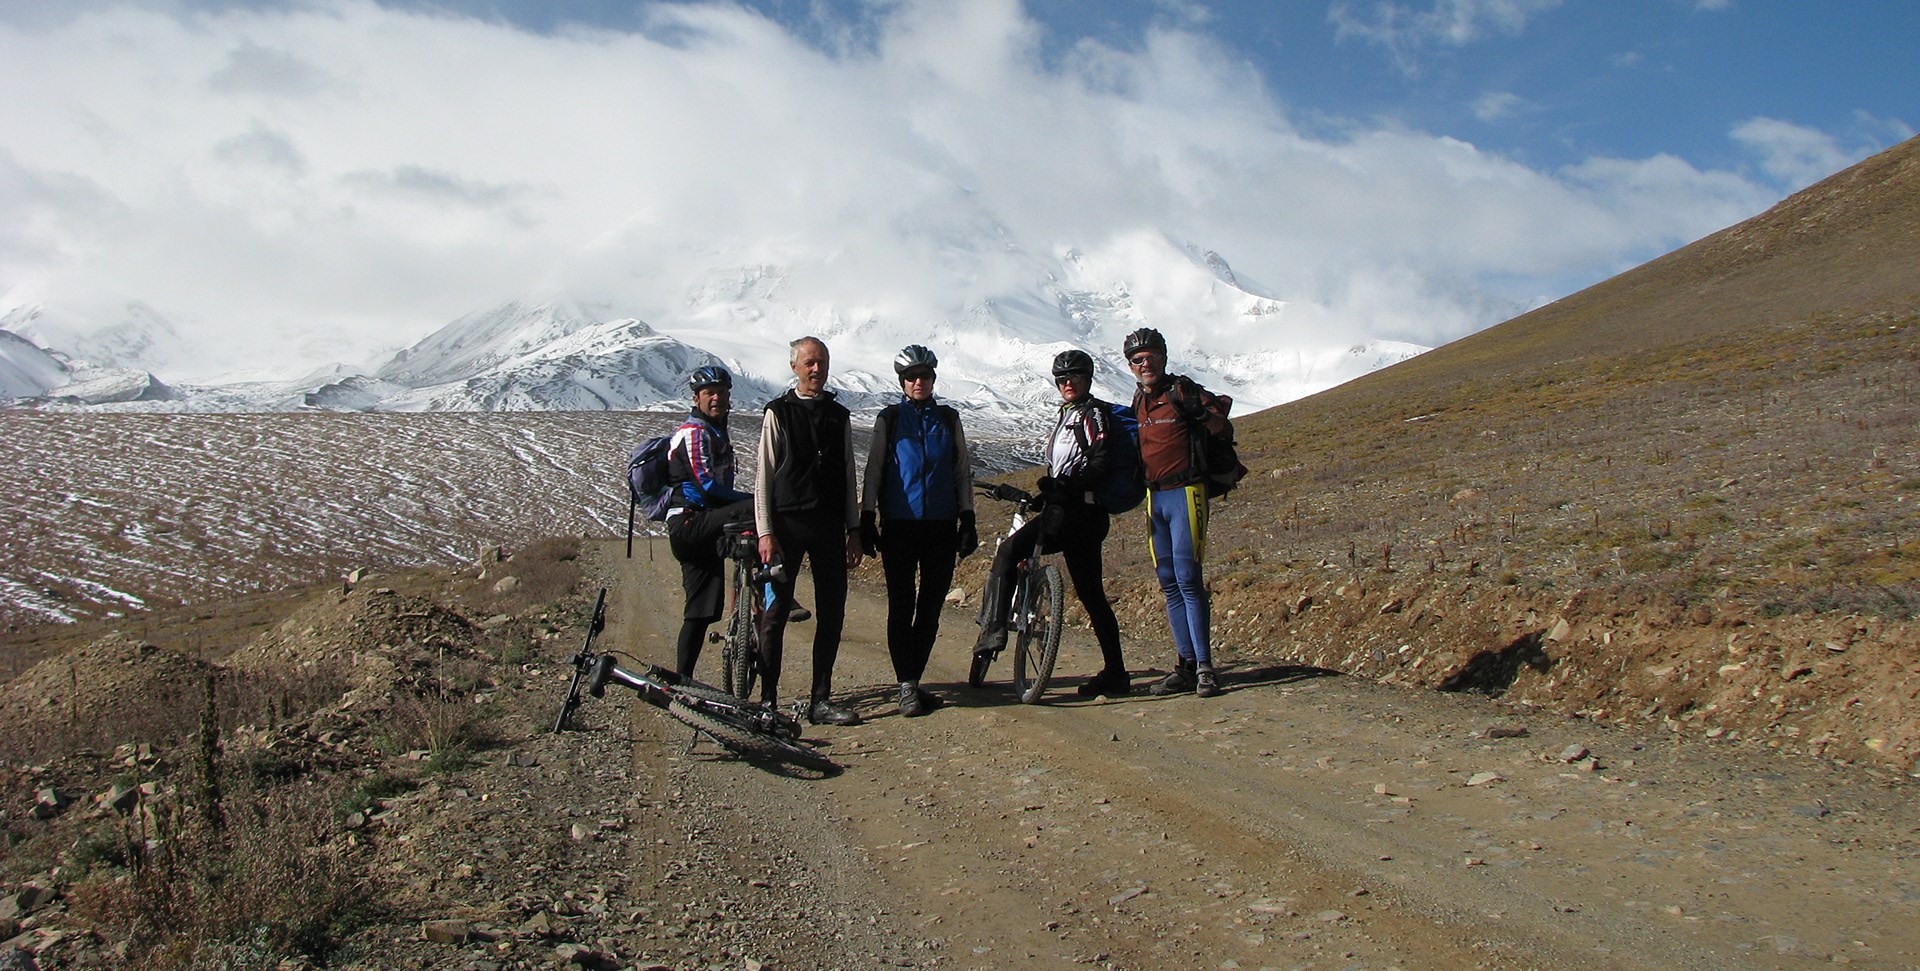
{"x": 708, "y": 376}
{"x": 1072, "y": 362}
{"x": 1144, "y": 339}
{"x": 914, "y": 356}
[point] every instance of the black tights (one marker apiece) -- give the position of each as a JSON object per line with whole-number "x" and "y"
{"x": 1082, "y": 529}
{"x": 911, "y": 549}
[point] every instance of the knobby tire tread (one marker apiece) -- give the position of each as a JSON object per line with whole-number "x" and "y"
{"x": 1039, "y": 645}
{"x": 748, "y": 742}
{"x": 742, "y": 639}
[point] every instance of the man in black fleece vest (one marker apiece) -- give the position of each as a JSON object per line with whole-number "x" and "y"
{"x": 806, "y": 507}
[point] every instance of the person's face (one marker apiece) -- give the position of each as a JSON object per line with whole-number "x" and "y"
{"x": 713, "y": 402}
{"x": 918, "y": 383}
{"x": 1074, "y": 387}
{"x": 810, "y": 368}
{"x": 1148, "y": 366}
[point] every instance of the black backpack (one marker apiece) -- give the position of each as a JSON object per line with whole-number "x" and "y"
{"x": 1216, "y": 462}
{"x": 1125, "y": 484}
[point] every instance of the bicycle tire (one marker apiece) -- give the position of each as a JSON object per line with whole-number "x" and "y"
{"x": 977, "y": 668}
{"x": 746, "y": 741}
{"x": 977, "y": 671}
{"x": 783, "y": 725}
{"x": 743, "y": 640}
{"x": 1038, "y": 645}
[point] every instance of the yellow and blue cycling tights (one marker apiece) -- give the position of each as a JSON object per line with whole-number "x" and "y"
{"x": 1178, "y": 519}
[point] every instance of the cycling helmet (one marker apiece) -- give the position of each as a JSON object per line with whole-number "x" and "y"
{"x": 1144, "y": 339}
{"x": 914, "y": 356}
{"x": 708, "y": 376}
{"x": 1072, "y": 362}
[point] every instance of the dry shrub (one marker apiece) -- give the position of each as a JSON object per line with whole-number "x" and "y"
{"x": 547, "y": 570}
{"x": 270, "y": 883}
{"x": 118, "y": 692}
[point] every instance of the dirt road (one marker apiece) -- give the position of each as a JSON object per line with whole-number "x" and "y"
{"x": 1301, "y": 820}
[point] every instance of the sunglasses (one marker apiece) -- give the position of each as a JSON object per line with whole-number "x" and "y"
{"x": 1065, "y": 378}
{"x": 917, "y": 376}
{"x": 1139, "y": 359}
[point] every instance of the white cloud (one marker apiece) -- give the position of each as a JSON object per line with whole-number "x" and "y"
{"x": 1496, "y": 105}
{"x": 1404, "y": 30}
{"x": 1794, "y": 155}
{"x": 330, "y": 178}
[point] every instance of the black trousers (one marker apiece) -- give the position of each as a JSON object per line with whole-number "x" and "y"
{"x": 821, "y": 543}
{"x": 921, "y": 550}
{"x": 694, "y": 537}
{"x": 1076, "y": 531}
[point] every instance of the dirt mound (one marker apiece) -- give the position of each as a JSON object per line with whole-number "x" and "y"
{"x": 363, "y": 622}
{"x": 112, "y": 691}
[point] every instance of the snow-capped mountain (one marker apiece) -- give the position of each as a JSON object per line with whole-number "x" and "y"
{"x": 547, "y": 357}
{"x": 996, "y": 343}
{"x": 28, "y": 371}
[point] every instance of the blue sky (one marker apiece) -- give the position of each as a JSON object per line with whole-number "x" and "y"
{"x": 1546, "y": 82}
{"x": 323, "y": 179}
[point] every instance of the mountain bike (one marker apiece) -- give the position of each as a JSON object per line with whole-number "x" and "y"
{"x": 1039, "y": 606}
{"x": 749, "y": 594}
{"x": 756, "y": 731}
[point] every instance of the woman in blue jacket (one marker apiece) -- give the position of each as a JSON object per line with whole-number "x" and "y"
{"x": 916, "y": 513}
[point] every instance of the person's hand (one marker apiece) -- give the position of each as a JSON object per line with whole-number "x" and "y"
{"x": 769, "y": 548}
{"x": 853, "y": 548}
{"x": 869, "y": 534}
{"x": 969, "y": 535}
{"x": 1047, "y": 485}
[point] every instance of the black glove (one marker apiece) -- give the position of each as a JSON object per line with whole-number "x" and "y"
{"x": 969, "y": 536}
{"x": 1187, "y": 402}
{"x": 869, "y": 535}
{"x": 1048, "y": 485}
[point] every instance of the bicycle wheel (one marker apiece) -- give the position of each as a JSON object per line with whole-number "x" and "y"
{"x": 743, "y": 640}
{"x": 759, "y": 718}
{"x": 1038, "y": 645}
{"x": 977, "y": 670}
{"x": 746, "y": 741}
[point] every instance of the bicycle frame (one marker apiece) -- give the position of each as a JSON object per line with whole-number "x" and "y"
{"x": 749, "y": 596}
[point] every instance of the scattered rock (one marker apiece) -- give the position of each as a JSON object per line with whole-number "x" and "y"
{"x": 445, "y": 931}
{"x": 1483, "y": 778}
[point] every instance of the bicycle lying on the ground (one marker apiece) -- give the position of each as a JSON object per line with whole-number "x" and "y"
{"x": 1039, "y": 606}
{"x": 746, "y": 728}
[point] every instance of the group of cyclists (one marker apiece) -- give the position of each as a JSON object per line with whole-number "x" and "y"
{"x": 914, "y": 510}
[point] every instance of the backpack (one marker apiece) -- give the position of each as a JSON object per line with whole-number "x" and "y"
{"x": 1125, "y": 485}
{"x": 649, "y": 481}
{"x": 1216, "y": 462}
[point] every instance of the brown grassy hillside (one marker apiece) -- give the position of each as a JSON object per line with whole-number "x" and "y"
{"x": 1686, "y": 494}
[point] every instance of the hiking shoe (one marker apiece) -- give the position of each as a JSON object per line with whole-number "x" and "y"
{"x": 928, "y": 699}
{"x": 825, "y": 712}
{"x": 993, "y": 640}
{"x": 798, "y": 613}
{"x": 1179, "y": 681}
{"x": 1204, "y": 683}
{"x": 1111, "y": 683}
{"x": 911, "y": 704}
